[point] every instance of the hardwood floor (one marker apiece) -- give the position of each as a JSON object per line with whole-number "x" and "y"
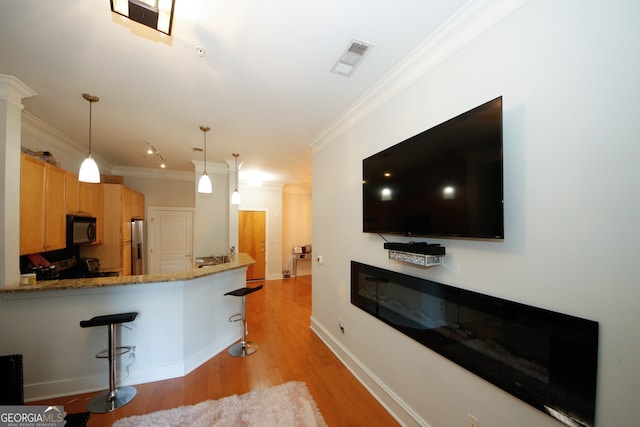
{"x": 278, "y": 320}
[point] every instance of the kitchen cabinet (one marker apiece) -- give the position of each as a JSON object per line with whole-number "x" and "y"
{"x": 91, "y": 204}
{"x": 118, "y": 208}
{"x": 126, "y": 258}
{"x": 42, "y": 206}
{"x": 72, "y": 194}
{"x": 83, "y": 198}
{"x": 137, "y": 205}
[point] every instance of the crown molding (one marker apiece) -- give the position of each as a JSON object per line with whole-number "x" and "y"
{"x": 467, "y": 24}
{"x": 155, "y": 173}
{"x": 14, "y": 91}
{"x": 58, "y": 140}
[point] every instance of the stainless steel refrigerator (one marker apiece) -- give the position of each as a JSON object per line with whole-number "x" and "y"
{"x": 137, "y": 247}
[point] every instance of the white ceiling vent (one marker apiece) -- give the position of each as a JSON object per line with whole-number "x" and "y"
{"x": 351, "y": 57}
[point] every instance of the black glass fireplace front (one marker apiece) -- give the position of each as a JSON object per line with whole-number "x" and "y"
{"x": 544, "y": 358}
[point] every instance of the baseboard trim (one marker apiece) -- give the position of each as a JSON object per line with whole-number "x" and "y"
{"x": 95, "y": 383}
{"x": 398, "y": 409}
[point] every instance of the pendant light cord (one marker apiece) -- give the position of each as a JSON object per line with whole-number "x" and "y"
{"x": 90, "y": 121}
{"x": 91, "y": 99}
{"x": 205, "y": 129}
{"x": 236, "y": 156}
{"x": 205, "y": 151}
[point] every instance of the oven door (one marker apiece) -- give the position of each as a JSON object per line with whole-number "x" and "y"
{"x": 81, "y": 230}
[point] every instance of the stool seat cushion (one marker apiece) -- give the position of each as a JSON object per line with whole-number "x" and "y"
{"x": 244, "y": 291}
{"x": 109, "y": 319}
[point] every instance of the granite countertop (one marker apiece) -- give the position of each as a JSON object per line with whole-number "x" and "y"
{"x": 240, "y": 261}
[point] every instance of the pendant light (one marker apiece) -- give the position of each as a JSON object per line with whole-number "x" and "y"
{"x": 204, "y": 185}
{"x": 89, "y": 171}
{"x": 235, "y": 197}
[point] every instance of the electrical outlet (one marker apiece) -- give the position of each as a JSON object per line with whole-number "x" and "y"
{"x": 341, "y": 325}
{"x": 472, "y": 421}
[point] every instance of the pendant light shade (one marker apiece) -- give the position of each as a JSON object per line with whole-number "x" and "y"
{"x": 235, "y": 197}
{"x": 89, "y": 171}
{"x": 204, "y": 184}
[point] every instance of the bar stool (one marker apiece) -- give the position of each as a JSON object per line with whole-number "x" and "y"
{"x": 242, "y": 348}
{"x": 114, "y": 398}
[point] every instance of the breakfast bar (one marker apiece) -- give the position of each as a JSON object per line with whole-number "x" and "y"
{"x": 182, "y": 322}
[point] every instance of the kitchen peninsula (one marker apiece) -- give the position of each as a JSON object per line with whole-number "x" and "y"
{"x": 182, "y": 322}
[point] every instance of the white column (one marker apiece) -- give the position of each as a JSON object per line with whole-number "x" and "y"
{"x": 12, "y": 92}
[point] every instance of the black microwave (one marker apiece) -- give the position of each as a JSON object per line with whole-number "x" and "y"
{"x": 81, "y": 230}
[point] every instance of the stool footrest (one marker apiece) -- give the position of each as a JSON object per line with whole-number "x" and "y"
{"x": 104, "y": 354}
{"x": 235, "y": 317}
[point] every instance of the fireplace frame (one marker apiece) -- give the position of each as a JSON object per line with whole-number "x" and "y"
{"x": 545, "y": 358}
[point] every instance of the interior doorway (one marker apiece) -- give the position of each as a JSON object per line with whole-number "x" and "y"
{"x": 252, "y": 240}
{"x": 170, "y": 233}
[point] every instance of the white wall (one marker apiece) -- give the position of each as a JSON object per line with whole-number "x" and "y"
{"x": 212, "y": 212}
{"x": 568, "y": 74}
{"x": 296, "y": 219}
{"x": 171, "y": 191}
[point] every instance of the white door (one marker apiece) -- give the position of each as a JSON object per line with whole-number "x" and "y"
{"x": 170, "y": 231}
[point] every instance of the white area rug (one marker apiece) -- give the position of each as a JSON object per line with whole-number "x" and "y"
{"x": 289, "y": 404}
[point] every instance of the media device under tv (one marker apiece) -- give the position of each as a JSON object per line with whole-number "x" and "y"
{"x": 443, "y": 182}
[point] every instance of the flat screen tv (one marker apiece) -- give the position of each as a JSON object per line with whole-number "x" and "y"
{"x": 443, "y": 182}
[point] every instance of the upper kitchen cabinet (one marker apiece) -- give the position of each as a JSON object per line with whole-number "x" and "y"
{"x": 91, "y": 204}
{"x": 42, "y": 206}
{"x": 137, "y": 202}
{"x": 83, "y": 198}
{"x": 72, "y": 195}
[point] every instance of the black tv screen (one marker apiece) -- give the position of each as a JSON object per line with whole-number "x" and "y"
{"x": 443, "y": 182}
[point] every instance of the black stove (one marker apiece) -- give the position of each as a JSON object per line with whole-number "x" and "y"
{"x": 72, "y": 268}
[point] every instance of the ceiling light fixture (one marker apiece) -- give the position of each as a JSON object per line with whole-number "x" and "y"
{"x": 156, "y": 14}
{"x": 235, "y": 197}
{"x": 204, "y": 185}
{"x": 89, "y": 171}
{"x": 152, "y": 150}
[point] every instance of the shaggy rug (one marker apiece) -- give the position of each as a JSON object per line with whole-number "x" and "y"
{"x": 289, "y": 404}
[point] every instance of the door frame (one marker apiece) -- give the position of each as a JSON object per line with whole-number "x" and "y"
{"x": 151, "y": 211}
{"x": 266, "y": 234}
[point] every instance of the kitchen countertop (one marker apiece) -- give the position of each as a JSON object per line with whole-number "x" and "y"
{"x": 240, "y": 261}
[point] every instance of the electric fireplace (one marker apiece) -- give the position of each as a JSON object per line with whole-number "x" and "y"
{"x": 547, "y": 359}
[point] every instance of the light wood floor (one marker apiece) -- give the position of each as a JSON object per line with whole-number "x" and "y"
{"x": 278, "y": 320}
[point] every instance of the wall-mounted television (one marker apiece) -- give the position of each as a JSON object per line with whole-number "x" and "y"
{"x": 443, "y": 182}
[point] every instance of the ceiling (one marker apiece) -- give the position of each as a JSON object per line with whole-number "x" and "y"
{"x": 263, "y": 85}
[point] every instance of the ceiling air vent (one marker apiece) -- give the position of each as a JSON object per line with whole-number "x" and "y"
{"x": 351, "y": 57}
